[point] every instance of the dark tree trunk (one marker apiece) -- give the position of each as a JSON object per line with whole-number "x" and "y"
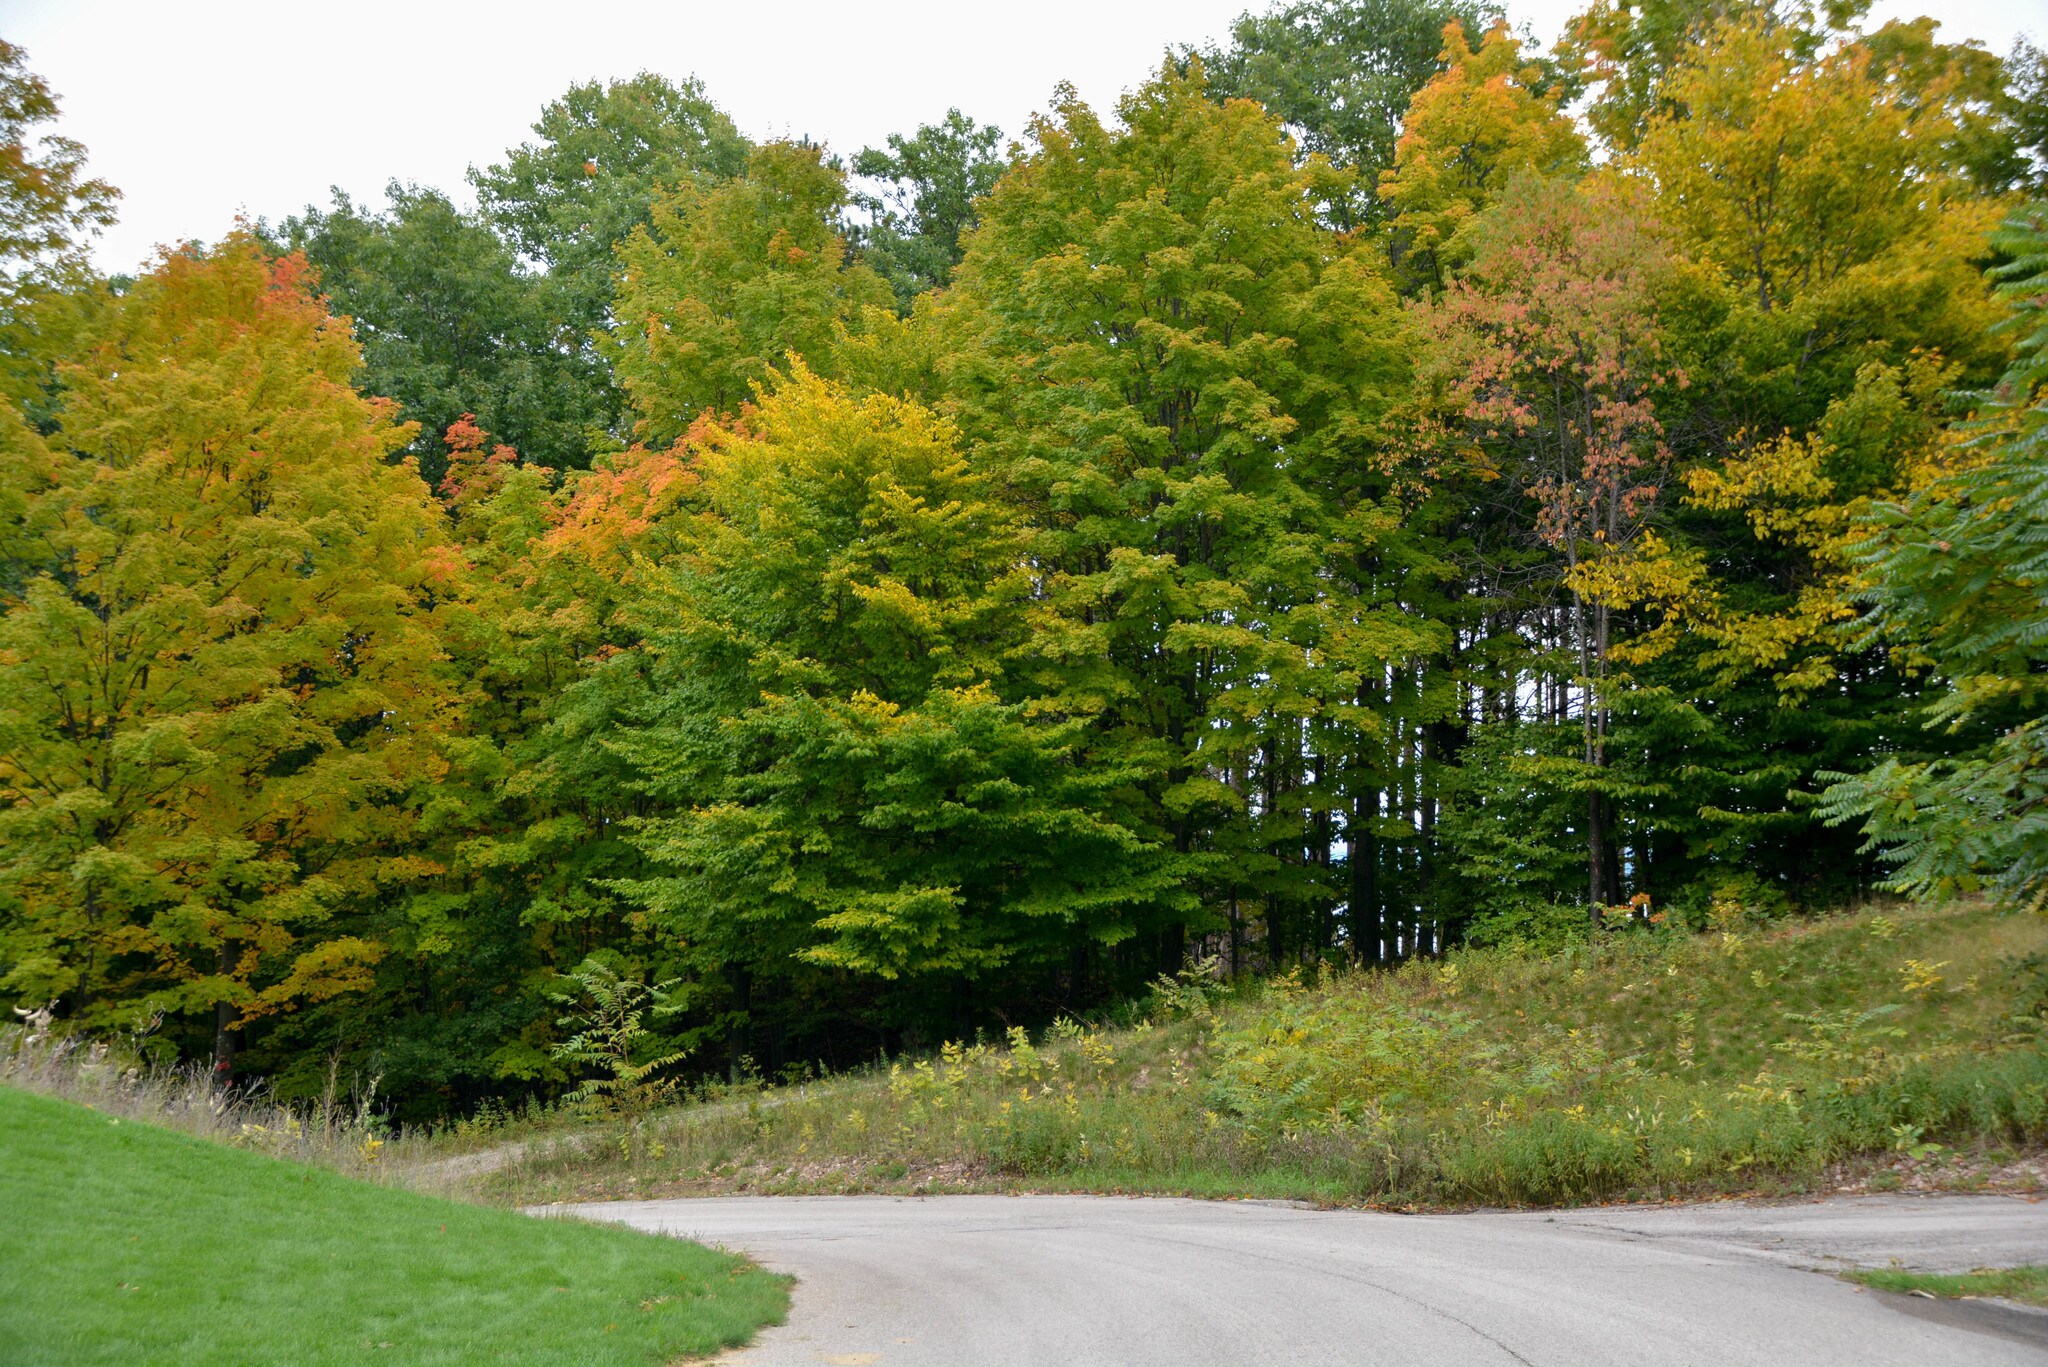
{"x": 224, "y": 1027}
{"x": 1362, "y": 856}
{"x": 1598, "y": 856}
{"x": 743, "y": 1007}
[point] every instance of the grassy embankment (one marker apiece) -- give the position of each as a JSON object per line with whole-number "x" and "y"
{"x": 128, "y": 1243}
{"x": 1651, "y": 1064}
{"x": 2028, "y": 1285}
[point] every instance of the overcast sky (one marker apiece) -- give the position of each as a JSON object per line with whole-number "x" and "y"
{"x": 200, "y": 109}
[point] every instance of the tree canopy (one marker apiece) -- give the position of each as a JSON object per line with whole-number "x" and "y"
{"x": 1382, "y": 484}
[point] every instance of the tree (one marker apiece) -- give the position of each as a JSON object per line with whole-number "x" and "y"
{"x": 605, "y": 153}
{"x": 449, "y": 323}
{"x": 1628, "y": 53}
{"x": 1626, "y": 49}
{"x": 1979, "y": 100}
{"x": 1548, "y": 352}
{"x": 49, "y": 210}
{"x": 2026, "y": 105}
{"x": 1468, "y": 133}
{"x": 1179, "y": 374}
{"x": 221, "y": 685}
{"x": 728, "y": 280}
{"x": 1815, "y": 181}
{"x": 853, "y": 780}
{"x": 931, "y": 182}
{"x": 1340, "y": 74}
{"x": 1952, "y": 576}
{"x": 1828, "y": 199}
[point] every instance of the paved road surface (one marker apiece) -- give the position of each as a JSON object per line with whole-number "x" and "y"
{"x": 1057, "y": 1281}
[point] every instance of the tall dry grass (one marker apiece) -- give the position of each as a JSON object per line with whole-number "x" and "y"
{"x": 342, "y": 1131}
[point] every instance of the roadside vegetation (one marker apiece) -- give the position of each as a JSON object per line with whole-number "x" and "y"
{"x": 129, "y": 1243}
{"x": 1648, "y": 1063}
{"x": 2028, "y": 1285}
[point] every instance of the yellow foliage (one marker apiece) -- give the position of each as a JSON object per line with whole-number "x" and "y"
{"x": 1466, "y": 135}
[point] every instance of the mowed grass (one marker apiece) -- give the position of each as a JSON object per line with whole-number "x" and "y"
{"x": 1652, "y": 1063}
{"x": 126, "y": 1243}
{"x": 2028, "y": 1285}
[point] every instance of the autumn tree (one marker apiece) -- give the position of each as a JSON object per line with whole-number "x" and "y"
{"x": 221, "y": 683}
{"x": 1549, "y": 354}
{"x": 1339, "y": 74}
{"x": 1486, "y": 118}
{"x": 49, "y": 210}
{"x": 1821, "y": 190}
{"x": 853, "y": 778}
{"x": 1841, "y": 228}
{"x": 728, "y": 280}
{"x": 1625, "y": 49}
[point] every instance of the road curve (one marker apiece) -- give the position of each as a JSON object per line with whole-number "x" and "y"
{"x": 1075, "y": 1281}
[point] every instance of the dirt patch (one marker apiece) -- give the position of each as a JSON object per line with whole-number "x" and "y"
{"x": 1989, "y": 1171}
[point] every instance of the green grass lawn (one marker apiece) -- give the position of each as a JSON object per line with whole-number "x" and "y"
{"x": 125, "y": 1243}
{"x": 2028, "y": 1284}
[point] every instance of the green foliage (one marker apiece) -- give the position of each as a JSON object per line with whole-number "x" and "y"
{"x": 608, "y": 1032}
{"x": 1339, "y": 75}
{"x": 605, "y": 152}
{"x": 728, "y": 281}
{"x": 321, "y": 1269}
{"x": 1953, "y": 576}
{"x": 1179, "y": 376}
{"x": 449, "y": 324}
{"x": 850, "y": 787}
{"x": 930, "y": 182}
{"x": 49, "y": 211}
{"x": 1515, "y": 869}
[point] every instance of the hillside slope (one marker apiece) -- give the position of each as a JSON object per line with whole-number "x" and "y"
{"x": 126, "y": 1243}
{"x": 1650, "y": 1063}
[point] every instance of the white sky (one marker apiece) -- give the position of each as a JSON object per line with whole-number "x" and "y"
{"x": 202, "y": 108}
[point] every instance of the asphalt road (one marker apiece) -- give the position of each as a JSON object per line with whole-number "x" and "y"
{"x": 1058, "y": 1281}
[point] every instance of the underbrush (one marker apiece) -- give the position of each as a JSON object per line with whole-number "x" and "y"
{"x": 1648, "y": 1064}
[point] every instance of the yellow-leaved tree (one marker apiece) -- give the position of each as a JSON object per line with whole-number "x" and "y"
{"x": 1469, "y": 132}
{"x": 1831, "y": 200}
{"x": 221, "y": 685}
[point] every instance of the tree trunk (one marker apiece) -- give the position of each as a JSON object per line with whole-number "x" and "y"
{"x": 224, "y": 1026}
{"x": 743, "y": 1006}
{"x": 1596, "y": 855}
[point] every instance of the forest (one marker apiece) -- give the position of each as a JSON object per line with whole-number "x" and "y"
{"x": 1386, "y": 485}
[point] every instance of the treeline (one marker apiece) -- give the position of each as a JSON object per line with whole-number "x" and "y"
{"x": 1385, "y": 486}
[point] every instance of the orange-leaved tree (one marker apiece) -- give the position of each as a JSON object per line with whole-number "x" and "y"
{"x": 1549, "y": 357}
{"x": 221, "y": 682}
